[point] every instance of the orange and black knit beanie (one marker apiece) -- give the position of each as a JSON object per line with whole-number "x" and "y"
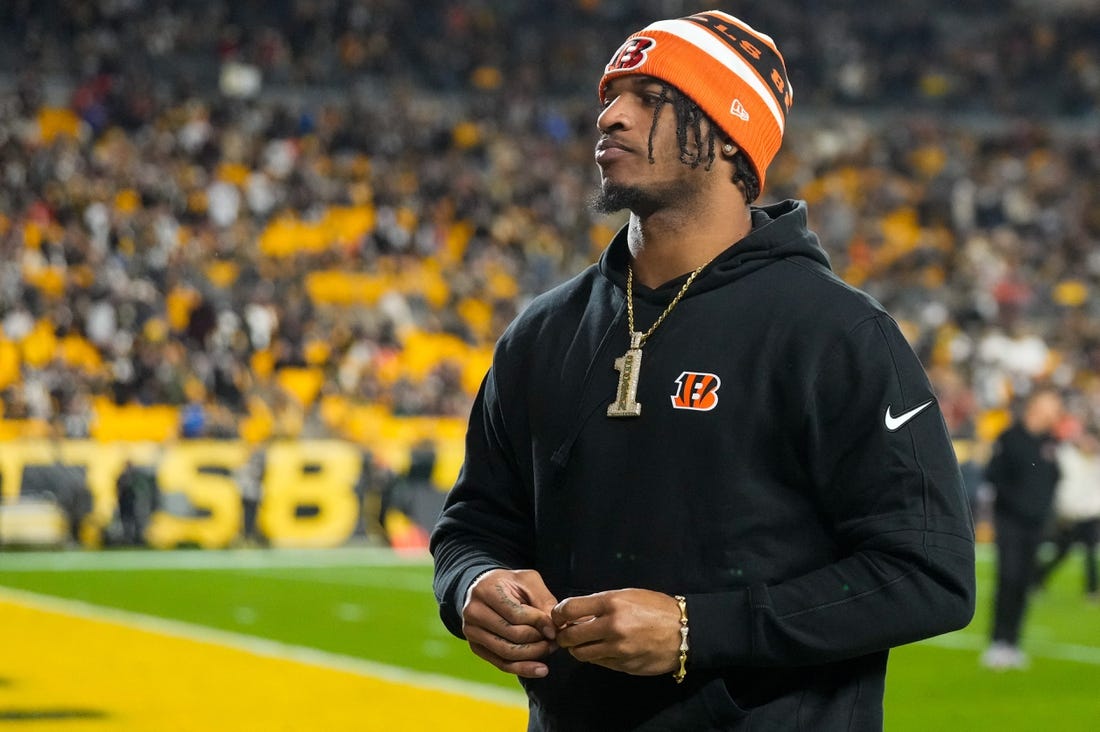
{"x": 734, "y": 73}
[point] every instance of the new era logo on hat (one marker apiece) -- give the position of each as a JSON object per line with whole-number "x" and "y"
{"x": 735, "y": 74}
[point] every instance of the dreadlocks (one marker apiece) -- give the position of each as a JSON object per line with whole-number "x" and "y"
{"x": 689, "y": 118}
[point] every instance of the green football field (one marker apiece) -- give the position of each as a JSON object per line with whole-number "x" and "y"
{"x": 377, "y": 606}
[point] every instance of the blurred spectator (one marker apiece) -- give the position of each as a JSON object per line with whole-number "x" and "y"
{"x": 64, "y": 486}
{"x": 250, "y": 479}
{"x": 358, "y": 228}
{"x": 1023, "y": 471}
{"x": 137, "y": 499}
{"x": 1077, "y": 508}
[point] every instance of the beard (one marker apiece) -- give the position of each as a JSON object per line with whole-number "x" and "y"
{"x": 613, "y": 197}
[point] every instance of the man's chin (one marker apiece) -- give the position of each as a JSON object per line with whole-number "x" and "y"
{"x": 613, "y": 197}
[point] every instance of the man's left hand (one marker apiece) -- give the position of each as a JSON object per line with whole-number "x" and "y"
{"x": 633, "y": 631}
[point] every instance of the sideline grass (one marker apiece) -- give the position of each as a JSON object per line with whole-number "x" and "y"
{"x": 359, "y": 603}
{"x": 71, "y": 667}
{"x": 939, "y": 684}
{"x": 378, "y": 607}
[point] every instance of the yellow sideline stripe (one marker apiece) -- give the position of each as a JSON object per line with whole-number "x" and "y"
{"x": 62, "y": 669}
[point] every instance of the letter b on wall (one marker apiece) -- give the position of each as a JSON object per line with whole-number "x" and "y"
{"x": 309, "y": 493}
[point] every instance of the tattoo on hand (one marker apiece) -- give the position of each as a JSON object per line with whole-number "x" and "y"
{"x": 507, "y": 599}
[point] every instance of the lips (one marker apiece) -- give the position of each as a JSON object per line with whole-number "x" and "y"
{"x": 608, "y": 149}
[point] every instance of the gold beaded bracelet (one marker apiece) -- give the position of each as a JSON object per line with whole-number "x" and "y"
{"x": 679, "y": 675}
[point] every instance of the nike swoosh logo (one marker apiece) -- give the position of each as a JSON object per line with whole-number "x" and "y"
{"x": 894, "y": 424}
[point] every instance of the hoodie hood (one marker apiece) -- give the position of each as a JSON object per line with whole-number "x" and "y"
{"x": 779, "y": 231}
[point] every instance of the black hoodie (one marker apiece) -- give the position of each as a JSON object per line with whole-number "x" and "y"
{"x": 807, "y": 500}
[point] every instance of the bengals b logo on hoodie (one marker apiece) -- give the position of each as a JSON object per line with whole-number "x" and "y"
{"x": 698, "y": 391}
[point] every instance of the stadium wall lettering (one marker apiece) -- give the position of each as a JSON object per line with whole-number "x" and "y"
{"x": 212, "y": 493}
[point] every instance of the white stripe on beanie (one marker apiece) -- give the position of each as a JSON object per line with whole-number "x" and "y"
{"x": 708, "y": 44}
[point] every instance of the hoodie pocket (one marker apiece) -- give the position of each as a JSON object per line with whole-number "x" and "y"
{"x": 710, "y": 709}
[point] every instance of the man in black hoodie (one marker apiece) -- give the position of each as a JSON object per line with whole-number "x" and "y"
{"x": 707, "y": 484}
{"x": 1024, "y": 473}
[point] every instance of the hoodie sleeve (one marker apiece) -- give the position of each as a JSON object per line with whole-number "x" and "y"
{"x": 486, "y": 522}
{"x": 884, "y": 473}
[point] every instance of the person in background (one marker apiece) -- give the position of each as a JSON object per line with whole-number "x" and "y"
{"x": 1077, "y": 508}
{"x": 1023, "y": 471}
{"x": 250, "y": 481}
{"x": 137, "y": 497}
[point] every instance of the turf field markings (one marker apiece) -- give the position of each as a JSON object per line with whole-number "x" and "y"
{"x": 436, "y": 629}
{"x": 97, "y": 561}
{"x": 245, "y": 615}
{"x": 1077, "y": 652}
{"x": 268, "y": 648}
{"x": 436, "y": 649}
{"x": 350, "y": 612}
{"x": 389, "y": 582}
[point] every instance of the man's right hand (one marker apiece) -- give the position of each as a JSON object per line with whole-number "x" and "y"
{"x": 506, "y": 620}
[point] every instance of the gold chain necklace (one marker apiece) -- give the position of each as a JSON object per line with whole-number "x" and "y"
{"x": 629, "y": 365}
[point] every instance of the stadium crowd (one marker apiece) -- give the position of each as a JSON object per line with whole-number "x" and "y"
{"x": 258, "y": 214}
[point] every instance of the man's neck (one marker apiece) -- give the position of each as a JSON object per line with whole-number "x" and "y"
{"x": 673, "y": 242}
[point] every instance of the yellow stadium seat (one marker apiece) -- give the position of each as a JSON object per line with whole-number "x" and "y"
{"x": 478, "y": 316}
{"x": 347, "y": 224}
{"x": 54, "y": 122}
{"x": 502, "y": 285}
{"x": 901, "y": 232}
{"x": 78, "y": 352}
{"x": 334, "y": 410}
{"x": 234, "y": 173}
{"x": 178, "y": 304}
{"x": 466, "y": 134}
{"x": 1071, "y": 293}
{"x": 32, "y": 235}
{"x": 222, "y": 273}
{"x": 10, "y": 361}
{"x": 301, "y": 383}
{"x": 992, "y": 423}
{"x": 317, "y": 352}
{"x": 455, "y": 242}
{"x": 133, "y": 422}
{"x": 40, "y": 345}
{"x": 16, "y": 429}
{"x": 127, "y": 201}
{"x": 259, "y": 424}
{"x": 475, "y": 364}
{"x": 49, "y": 280}
{"x": 262, "y": 364}
{"x": 362, "y": 422}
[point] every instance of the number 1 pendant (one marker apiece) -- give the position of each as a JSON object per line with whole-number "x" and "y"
{"x": 629, "y": 366}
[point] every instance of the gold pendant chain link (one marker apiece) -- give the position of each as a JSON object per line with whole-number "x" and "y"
{"x": 671, "y": 305}
{"x": 629, "y": 365}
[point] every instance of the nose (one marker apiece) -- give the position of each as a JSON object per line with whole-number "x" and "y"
{"x": 613, "y": 116}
